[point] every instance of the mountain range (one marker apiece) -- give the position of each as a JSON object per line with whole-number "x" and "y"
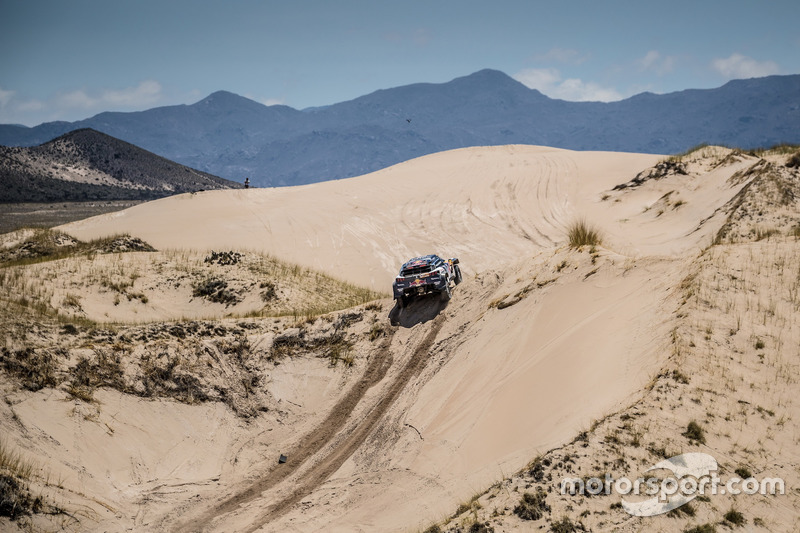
{"x": 237, "y": 138}
{"x": 86, "y": 165}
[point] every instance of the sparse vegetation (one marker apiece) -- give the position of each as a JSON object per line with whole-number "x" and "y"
{"x": 35, "y": 369}
{"x": 376, "y": 330}
{"x": 734, "y": 517}
{"x": 16, "y": 498}
{"x": 581, "y": 233}
{"x": 705, "y": 528}
{"x": 695, "y": 433}
{"x": 51, "y": 245}
{"x": 216, "y": 290}
{"x": 566, "y": 525}
{"x": 532, "y": 506}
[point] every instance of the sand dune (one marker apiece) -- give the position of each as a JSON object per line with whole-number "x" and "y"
{"x": 487, "y": 206}
{"x": 539, "y": 341}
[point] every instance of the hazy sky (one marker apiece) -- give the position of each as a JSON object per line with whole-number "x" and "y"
{"x": 71, "y": 59}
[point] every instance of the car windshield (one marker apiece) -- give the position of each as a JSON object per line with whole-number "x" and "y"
{"x": 416, "y": 268}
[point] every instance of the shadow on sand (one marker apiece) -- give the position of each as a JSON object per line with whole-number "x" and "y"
{"x": 417, "y": 311}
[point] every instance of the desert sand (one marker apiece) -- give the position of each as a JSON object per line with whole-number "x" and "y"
{"x": 592, "y": 358}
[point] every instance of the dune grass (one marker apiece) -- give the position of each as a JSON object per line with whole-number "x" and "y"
{"x": 581, "y": 233}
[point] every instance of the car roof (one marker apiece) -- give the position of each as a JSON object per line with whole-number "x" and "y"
{"x": 425, "y": 259}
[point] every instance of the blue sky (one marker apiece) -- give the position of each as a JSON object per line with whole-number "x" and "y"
{"x": 71, "y": 59}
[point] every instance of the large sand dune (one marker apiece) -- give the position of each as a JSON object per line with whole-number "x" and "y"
{"x": 537, "y": 342}
{"x": 487, "y": 206}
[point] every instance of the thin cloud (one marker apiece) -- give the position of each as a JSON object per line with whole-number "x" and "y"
{"x": 550, "y": 82}
{"x": 738, "y": 66}
{"x": 78, "y": 103}
{"x": 560, "y": 55}
{"x": 147, "y": 93}
{"x": 653, "y": 61}
{"x": 5, "y": 97}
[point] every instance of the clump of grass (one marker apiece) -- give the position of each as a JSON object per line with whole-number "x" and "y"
{"x": 734, "y": 517}
{"x": 759, "y": 345}
{"x": 764, "y": 233}
{"x": 270, "y": 291}
{"x": 566, "y": 525}
{"x": 13, "y": 463}
{"x": 376, "y": 331}
{"x": 16, "y": 499}
{"x": 581, "y": 233}
{"x": 532, "y": 506}
{"x": 680, "y": 377}
{"x": 215, "y": 290}
{"x": 36, "y": 369}
{"x": 743, "y": 472}
{"x": 680, "y": 157}
{"x": 72, "y": 300}
{"x": 705, "y": 528}
{"x": 695, "y": 433}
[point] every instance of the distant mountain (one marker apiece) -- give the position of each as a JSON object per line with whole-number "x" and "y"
{"x": 88, "y": 165}
{"x": 234, "y": 137}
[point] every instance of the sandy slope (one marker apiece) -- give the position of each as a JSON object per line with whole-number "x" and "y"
{"x": 485, "y": 205}
{"x": 537, "y": 342}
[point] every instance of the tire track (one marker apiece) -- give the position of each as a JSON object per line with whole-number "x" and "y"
{"x": 333, "y": 461}
{"x": 313, "y": 442}
{"x": 309, "y": 445}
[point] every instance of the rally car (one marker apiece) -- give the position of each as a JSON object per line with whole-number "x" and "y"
{"x": 425, "y": 275}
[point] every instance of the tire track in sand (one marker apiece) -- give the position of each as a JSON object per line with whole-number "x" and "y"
{"x": 312, "y": 443}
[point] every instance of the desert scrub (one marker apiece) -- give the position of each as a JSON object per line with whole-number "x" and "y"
{"x": 705, "y": 528}
{"x": 734, "y": 517}
{"x": 376, "y": 330}
{"x": 581, "y": 233}
{"x": 49, "y": 245}
{"x": 215, "y": 290}
{"x": 532, "y": 506}
{"x": 16, "y": 500}
{"x": 694, "y": 432}
{"x": 566, "y": 525}
{"x": 35, "y": 369}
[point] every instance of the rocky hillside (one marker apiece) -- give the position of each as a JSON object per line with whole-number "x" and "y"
{"x": 88, "y": 165}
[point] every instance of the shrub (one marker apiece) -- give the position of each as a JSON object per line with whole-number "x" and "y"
{"x": 16, "y": 499}
{"x": 580, "y": 233}
{"x": 734, "y": 517}
{"x": 532, "y": 506}
{"x": 215, "y": 290}
{"x": 705, "y": 528}
{"x": 694, "y": 432}
{"x": 565, "y": 525}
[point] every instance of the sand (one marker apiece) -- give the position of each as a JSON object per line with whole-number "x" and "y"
{"x": 539, "y": 343}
